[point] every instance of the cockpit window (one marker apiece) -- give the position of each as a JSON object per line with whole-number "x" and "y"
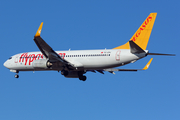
{"x": 10, "y": 58}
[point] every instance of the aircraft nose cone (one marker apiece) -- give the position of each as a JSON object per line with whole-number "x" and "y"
{"x": 5, "y": 64}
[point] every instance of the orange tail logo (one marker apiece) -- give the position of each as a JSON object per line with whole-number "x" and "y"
{"x": 143, "y": 26}
{"x": 141, "y": 36}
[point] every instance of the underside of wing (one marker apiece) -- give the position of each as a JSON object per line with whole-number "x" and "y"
{"x": 48, "y": 52}
{"x": 112, "y": 70}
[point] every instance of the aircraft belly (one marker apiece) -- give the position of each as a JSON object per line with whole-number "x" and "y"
{"x": 97, "y": 63}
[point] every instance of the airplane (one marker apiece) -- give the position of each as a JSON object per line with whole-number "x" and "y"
{"x": 75, "y": 63}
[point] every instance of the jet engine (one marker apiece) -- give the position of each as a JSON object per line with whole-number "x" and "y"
{"x": 41, "y": 63}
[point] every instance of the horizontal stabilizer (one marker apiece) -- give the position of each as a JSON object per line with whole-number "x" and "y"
{"x": 161, "y": 54}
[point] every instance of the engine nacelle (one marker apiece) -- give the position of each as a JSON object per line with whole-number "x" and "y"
{"x": 41, "y": 63}
{"x": 72, "y": 74}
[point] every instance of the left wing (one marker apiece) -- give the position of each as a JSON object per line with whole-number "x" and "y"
{"x": 48, "y": 52}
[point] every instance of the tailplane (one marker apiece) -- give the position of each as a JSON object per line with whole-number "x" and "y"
{"x": 141, "y": 36}
{"x": 161, "y": 54}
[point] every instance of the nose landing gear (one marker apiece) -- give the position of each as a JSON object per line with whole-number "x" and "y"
{"x": 17, "y": 76}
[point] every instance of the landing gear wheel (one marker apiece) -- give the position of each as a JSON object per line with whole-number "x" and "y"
{"x": 64, "y": 72}
{"x": 83, "y": 78}
{"x": 16, "y": 76}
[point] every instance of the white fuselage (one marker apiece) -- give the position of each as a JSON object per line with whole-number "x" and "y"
{"x": 81, "y": 59}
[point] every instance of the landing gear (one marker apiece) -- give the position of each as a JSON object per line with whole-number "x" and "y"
{"x": 16, "y": 76}
{"x": 64, "y": 72}
{"x": 82, "y": 77}
{"x": 74, "y": 74}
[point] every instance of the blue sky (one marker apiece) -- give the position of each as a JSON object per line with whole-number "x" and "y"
{"x": 97, "y": 24}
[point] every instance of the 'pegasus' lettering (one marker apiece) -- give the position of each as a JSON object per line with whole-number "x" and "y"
{"x": 143, "y": 26}
{"x": 31, "y": 57}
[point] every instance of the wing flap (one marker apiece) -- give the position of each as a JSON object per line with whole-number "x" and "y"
{"x": 115, "y": 70}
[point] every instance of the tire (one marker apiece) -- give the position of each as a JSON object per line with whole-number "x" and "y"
{"x": 16, "y": 76}
{"x": 83, "y": 78}
{"x": 64, "y": 72}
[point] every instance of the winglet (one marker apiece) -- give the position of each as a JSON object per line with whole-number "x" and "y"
{"x": 148, "y": 64}
{"x": 38, "y": 33}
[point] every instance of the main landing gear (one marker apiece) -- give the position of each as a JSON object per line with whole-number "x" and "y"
{"x": 74, "y": 74}
{"x": 64, "y": 72}
{"x": 82, "y": 77}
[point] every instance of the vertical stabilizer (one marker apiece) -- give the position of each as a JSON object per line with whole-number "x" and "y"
{"x": 141, "y": 36}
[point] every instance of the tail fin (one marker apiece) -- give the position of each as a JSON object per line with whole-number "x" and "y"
{"x": 141, "y": 36}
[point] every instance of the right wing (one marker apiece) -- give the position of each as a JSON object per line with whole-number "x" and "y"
{"x": 48, "y": 52}
{"x": 112, "y": 70}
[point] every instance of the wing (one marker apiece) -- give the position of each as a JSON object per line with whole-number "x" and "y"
{"x": 113, "y": 70}
{"x": 48, "y": 52}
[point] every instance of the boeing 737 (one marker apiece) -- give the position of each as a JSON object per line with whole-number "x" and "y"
{"x": 75, "y": 63}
